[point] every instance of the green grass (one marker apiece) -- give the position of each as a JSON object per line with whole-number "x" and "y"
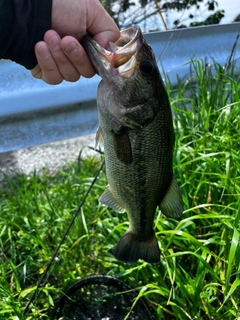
{"x": 199, "y": 273}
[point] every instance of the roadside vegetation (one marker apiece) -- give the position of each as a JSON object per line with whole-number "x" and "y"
{"x": 199, "y": 273}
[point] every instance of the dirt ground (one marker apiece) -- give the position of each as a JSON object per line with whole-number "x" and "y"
{"x": 51, "y": 155}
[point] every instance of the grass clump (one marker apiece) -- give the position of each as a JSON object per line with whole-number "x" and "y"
{"x": 199, "y": 273}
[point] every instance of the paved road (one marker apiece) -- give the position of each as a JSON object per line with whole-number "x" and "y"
{"x": 52, "y": 155}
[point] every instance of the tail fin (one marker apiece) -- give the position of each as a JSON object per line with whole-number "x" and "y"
{"x": 129, "y": 249}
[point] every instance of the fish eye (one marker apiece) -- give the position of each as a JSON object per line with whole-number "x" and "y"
{"x": 146, "y": 66}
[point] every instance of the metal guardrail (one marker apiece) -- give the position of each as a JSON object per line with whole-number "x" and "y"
{"x": 32, "y": 112}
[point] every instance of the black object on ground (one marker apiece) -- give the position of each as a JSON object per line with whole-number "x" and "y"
{"x": 100, "y": 298}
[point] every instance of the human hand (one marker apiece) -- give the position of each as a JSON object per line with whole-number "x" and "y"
{"x": 61, "y": 59}
{"x": 65, "y": 58}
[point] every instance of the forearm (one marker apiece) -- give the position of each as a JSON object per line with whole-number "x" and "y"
{"x": 22, "y": 24}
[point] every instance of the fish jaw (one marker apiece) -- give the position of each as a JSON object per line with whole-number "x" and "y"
{"x": 120, "y": 59}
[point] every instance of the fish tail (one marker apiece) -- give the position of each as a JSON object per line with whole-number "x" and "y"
{"x": 130, "y": 249}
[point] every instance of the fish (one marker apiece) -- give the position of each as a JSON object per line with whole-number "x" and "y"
{"x": 136, "y": 129}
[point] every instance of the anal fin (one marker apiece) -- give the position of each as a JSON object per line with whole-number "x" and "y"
{"x": 172, "y": 204}
{"x": 109, "y": 200}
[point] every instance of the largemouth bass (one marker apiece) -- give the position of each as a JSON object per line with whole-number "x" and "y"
{"x": 135, "y": 122}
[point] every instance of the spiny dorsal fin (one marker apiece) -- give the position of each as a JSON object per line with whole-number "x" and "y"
{"x": 172, "y": 204}
{"x": 108, "y": 199}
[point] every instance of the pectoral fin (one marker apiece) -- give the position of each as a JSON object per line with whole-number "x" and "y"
{"x": 172, "y": 204}
{"x": 108, "y": 199}
{"x": 122, "y": 146}
{"x": 99, "y": 137}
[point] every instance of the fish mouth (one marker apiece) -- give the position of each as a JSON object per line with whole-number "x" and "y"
{"x": 119, "y": 58}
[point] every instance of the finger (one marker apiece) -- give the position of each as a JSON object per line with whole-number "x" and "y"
{"x": 102, "y": 25}
{"x": 36, "y": 72}
{"x": 78, "y": 57}
{"x": 64, "y": 65}
{"x": 50, "y": 72}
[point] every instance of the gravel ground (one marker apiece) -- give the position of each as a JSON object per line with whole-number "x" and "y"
{"x": 51, "y": 155}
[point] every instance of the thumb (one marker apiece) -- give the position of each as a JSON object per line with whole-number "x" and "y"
{"x": 103, "y": 28}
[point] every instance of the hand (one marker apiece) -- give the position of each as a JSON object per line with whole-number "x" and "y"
{"x": 61, "y": 59}
{"x": 65, "y": 58}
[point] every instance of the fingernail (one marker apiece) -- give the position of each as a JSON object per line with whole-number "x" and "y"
{"x": 54, "y": 43}
{"x": 71, "y": 49}
{"x": 43, "y": 52}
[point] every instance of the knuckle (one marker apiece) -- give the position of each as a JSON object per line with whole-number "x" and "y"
{"x": 54, "y": 82}
{"x": 37, "y": 75}
{"x": 50, "y": 79}
{"x": 36, "y": 72}
{"x": 61, "y": 59}
{"x": 80, "y": 57}
{"x": 49, "y": 68}
{"x": 72, "y": 78}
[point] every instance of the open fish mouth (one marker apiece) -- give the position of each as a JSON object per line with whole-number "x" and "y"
{"x": 120, "y": 57}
